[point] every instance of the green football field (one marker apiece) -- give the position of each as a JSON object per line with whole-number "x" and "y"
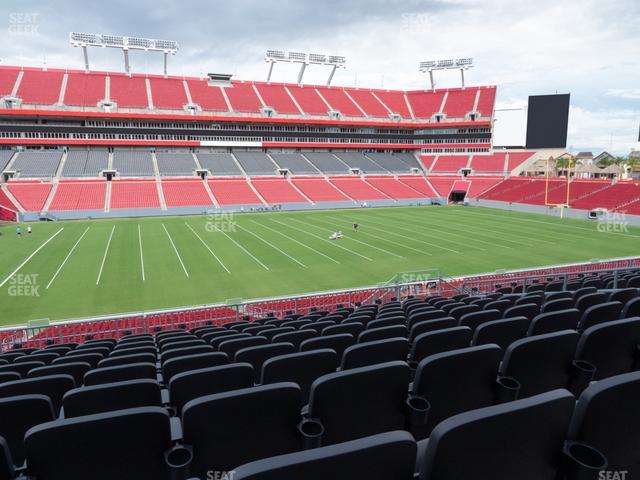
{"x": 82, "y": 268}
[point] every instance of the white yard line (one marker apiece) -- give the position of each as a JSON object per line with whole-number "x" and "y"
{"x": 273, "y": 246}
{"x": 553, "y": 224}
{"x": 106, "y": 251}
{"x": 331, "y": 242}
{"x": 29, "y": 258}
{"x": 141, "y": 254}
{"x": 207, "y": 247}
{"x": 66, "y": 258}
{"x": 356, "y": 240}
{"x": 408, "y": 220}
{"x": 415, "y": 239}
{"x": 242, "y": 248}
{"x": 296, "y": 241}
{"x": 176, "y": 250}
{"x": 367, "y": 233}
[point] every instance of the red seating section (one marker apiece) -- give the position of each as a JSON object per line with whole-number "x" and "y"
{"x": 518, "y": 158}
{"x": 319, "y": 190}
{"x": 395, "y": 101}
{"x": 419, "y": 184}
{"x": 425, "y": 103}
{"x": 480, "y": 185}
{"x": 185, "y": 193}
{"x": 427, "y": 161}
{"x": 233, "y": 191}
{"x": 450, "y": 163}
{"x": 486, "y": 101}
{"x": 370, "y": 104}
{"x": 72, "y": 195}
{"x": 488, "y": 163}
{"x": 168, "y": 93}
{"x": 31, "y": 195}
{"x": 393, "y": 188}
{"x": 460, "y": 102}
{"x": 338, "y": 100}
{"x": 577, "y": 189}
{"x": 277, "y": 190}
{"x": 309, "y": 100}
{"x": 85, "y": 89}
{"x": 128, "y": 92}
{"x": 134, "y": 194}
{"x": 276, "y": 96}
{"x": 209, "y": 98}
{"x": 632, "y": 208}
{"x": 357, "y": 189}
{"x": 6, "y": 202}
{"x": 8, "y": 78}
{"x": 610, "y": 198}
{"x": 443, "y": 185}
{"x": 243, "y": 98}
{"x": 40, "y": 86}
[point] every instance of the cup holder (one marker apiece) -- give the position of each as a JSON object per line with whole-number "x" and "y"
{"x": 507, "y": 389}
{"x": 581, "y": 375}
{"x": 418, "y": 410}
{"x": 582, "y": 461}
{"x": 311, "y": 431}
{"x": 178, "y": 458}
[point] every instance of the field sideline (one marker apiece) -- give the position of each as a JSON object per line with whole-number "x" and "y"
{"x": 83, "y": 268}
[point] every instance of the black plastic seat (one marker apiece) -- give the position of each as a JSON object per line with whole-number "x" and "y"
{"x": 76, "y": 370}
{"x": 611, "y": 347}
{"x": 186, "y": 386}
{"x": 120, "y": 373}
{"x": 87, "y": 447}
{"x": 371, "y": 335}
{"x": 301, "y": 368}
{"x": 192, "y": 362}
{"x": 338, "y": 343}
{"x": 256, "y": 356}
{"x": 439, "y": 341}
{"x": 473, "y": 320}
{"x": 127, "y": 360}
{"x": 606, "y": 417}
{"x": 389, "y": 456}
{"x": 17, "y": 415}
{"x": 501, "y": 332}
{"x": 53, "y": 386}
{"x": 111, "y": 396}
{"x": 229, "y": 429}
{"x": 360, "y": 402}
{"x": 555, "y": 321}
{"x": 378, "y": 351}
{"x": 516, "y": 440}
{"x": 601, "y": 313}
{"x": 541, "y": 363}
{"x": 457, "y": 381}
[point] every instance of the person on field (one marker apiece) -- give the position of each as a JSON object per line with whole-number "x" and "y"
{"x": 18, "y": 232}
{"x": 29, "y": 230}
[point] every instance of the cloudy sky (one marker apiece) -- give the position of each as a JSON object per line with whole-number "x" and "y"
{"x": 590, "y": 48}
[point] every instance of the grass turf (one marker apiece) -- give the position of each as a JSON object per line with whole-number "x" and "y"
{"x": 153, "y": 263}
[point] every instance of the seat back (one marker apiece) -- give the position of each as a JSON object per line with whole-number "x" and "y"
{"x": 555, "y": 321}
{"x": 438, "y": 341}
{"x": 542, "y": 362}
{"x": 256, "y": 356}
{"x": 501, "y": 442}
{"x": 184, "y": 387}
{"x": 603, "y": 312}
{"x": 192, "y": 362}
{"x": 378, "y": 351}
{"x": 88, "y": 446}
{"x": 501, "y": 332}
{"x": 217, "y": 426}
{"x": 337, "y": 343}
{"x": 111, "y": 396}
{"x": 389, "y": 455}
{"x": 53, "y": 386}
{"x": 301, "y": 368}
{"x": 605, "y": 418}
{"x": 17, "y": 415}
{"x": 120, "y": 373}
{"x": 611, "y": 347}
{"x": 457, "y": 381}
{"x": 473, "y": 320}
{"x": 360, "y": 402}
{"x": 76, "y": 370}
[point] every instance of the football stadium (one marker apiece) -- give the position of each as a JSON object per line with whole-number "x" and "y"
{"x": 224, "y": 276}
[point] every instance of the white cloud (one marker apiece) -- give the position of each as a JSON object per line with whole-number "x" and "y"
{"x": 586, "y": 47}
